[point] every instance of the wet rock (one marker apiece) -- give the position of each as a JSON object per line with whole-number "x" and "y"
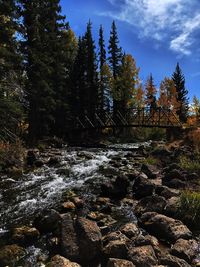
{"x": 25, "y": 234}
{"x": 165, "y": 227}
{"x": 151, "y": 203}
{"x": 85, "y": 154}
{"x": 54, "y": 161}
{"x": 173, "y": 261}
{"x": 11, "y": 254}
{"x": 150, "y": 171}
{"x": 80, "y": 239}
{"x": 38, "y": 163}
{"x": 68, "y": 206}
{"x": 185, "y": 249}
{"x": 143, "y": 256}
{"x": 48, "y": 222}
{"x": 108, "y": 171}
{"x": 118, "y": 189}
{"x": 69, "y": 238}
{"x": 130, "y": 230}
{"x": 59, "y": 261}
{"x": 31, "y": 157}
{"x": 64, "y": 171}
{"x": 119, "y": 263}
{"x": 143, "y": 187}
{"x": 79, "y": 203}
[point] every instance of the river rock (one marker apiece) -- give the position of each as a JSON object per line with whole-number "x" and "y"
{"x": 31, "y": 157}
{"x": 143, "y": 256}
{"x": 151, "y": 203}
{"x": 59, "y": 261}
{"x": 130, "y": 230}
{"x": 115, "y": 245}
{"x": 11, "y": 254}
{"x": 118, "y": 189}
{"x": 119, "y": 263}
{"x": 166, "y": 192}
{"x": 173, "y": 261}
{"x": 38, "y": 163}
{"x": 25, "y": 234}
{"x": 68, "y": 206}
{"x": 172, "y": 207}
{"x": 165, "y": 227}
{"x": 142, "y": 187}
{"x": 185, "y": 249}
{"x": 150, "y": 171}
{"x": 48, "y": 222}
{"x": 80, "y": 239}
{"x": 55, "y": 160}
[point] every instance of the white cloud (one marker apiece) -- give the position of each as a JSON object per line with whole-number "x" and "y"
{"x": 171, "y": 21}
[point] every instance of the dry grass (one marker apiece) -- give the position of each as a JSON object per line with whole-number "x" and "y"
{"x": 11, "y": 154}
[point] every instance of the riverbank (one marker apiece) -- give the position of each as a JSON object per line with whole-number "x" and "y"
{"x": 100, "y": 207}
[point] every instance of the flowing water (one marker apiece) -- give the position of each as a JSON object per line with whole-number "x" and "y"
{"x": 23, "y": 198}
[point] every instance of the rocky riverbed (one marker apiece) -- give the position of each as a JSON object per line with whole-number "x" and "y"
{"x": 98, "y": 207}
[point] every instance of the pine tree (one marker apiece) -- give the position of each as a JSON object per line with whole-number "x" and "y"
{"x": 102, "y": 62}
{"x": 150, "y": 92}
{"x": 182, "y": 99}
{"x": 91, "y": 89}
{"x": 46, "y": 56}
{"x": 10, "y": 68}
{"x": 115, "y": 59}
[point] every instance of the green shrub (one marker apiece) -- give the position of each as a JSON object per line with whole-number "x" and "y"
{"x": 150, "y": 160}
{"x": 190, "y": 165}
{"x": 190, "y": 208}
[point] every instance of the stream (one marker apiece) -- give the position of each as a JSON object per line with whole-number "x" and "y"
{"x": 21, "y": 199}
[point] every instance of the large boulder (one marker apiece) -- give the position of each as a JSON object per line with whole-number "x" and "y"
{"x": 59, "y": 261}
{"x": 151, "y": 203}
{"x": 80, "y": 239}
{"x": 25, "y": 234}
{"x": 143, "y": 256}
{"x": 119, "y": 263}
{"x": 185, "y": 249}
{"x": 118, "y": 189}
{"x": 11, "y": 254}
{"x": 143, "y": 187}
{"x": 165, "y": 227}
{"x": 48, "y": 222}
{"x": 166, "y": 192}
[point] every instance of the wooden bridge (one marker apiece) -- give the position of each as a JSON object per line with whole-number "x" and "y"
{"x": 135, "y": 117}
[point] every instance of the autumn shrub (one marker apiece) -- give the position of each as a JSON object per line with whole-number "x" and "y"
{"x": 189, "y": 210}
{"x": 11, "y": 154}
{"x": 194, "y": 138}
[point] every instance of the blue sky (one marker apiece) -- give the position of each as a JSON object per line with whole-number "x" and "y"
{"x": 158, "y": 33}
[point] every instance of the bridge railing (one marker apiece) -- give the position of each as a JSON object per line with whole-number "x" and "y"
{"x": 134, "y": 117}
